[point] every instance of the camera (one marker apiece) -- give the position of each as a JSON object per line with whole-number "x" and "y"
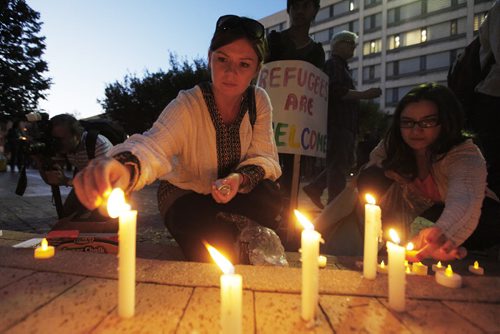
{"x": 41, "y": 142}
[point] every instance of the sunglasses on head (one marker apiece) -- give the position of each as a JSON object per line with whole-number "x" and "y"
{"x": 253, "y": 28}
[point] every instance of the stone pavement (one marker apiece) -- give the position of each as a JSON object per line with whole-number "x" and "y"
{"x": 77, "y": 293}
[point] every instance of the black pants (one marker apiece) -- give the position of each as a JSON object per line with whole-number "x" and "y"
{"x": 192, "y": 219}
{"x": 487, "y": 232}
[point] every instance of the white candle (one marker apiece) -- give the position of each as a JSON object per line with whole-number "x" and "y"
{"x": 310, "y": 271}
{"x": 418, "y": 268}
{"x": 397, "y": 276}
{"x": 372, "y": 229}
{"x": 476, "y": 269}
{"x": 382, "y": 268}
{"x": 126, "y": 263}
{"x": 231, "y": 294}
{"x": 448, "y": 278}
{"x": 44, "y": 251}
{"x": 437, "y": 267}
{"x": 322, "y": 261}
{"x": 126, "y": 251}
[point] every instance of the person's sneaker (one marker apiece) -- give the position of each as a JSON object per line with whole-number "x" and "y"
{"x": 314, "y": 195}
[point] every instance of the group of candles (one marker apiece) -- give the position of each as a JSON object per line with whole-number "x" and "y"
{"x": 398, "y": 266}
{"x": 231, "y": 283}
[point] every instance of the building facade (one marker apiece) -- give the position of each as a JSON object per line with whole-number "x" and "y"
{"x": 402, "y": 43}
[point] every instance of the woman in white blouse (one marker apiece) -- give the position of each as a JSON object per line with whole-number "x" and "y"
{"x": 212, "y": 148}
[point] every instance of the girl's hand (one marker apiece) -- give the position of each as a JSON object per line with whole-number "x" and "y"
{"x": 224, "y": 190}
{"x": 94, "y": 183}
{"x": 432, "y": 243}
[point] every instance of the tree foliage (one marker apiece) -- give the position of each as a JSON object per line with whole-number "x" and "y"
{"x": 137, "y": 102}
{"x": 22, "y": 83}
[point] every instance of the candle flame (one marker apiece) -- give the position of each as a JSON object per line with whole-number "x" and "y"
{"x": 448, "y": 271}
{"x": 439, "y": 265}
{"x": 476, "y": 265}
{"x": 370, "y": 199}
{"x": 45, "y": 244}
{"x": 410, "y": 246}
{"x": 303, "y": 220}
{"x": 117, "y": 203}
{"x": 394, "y": 236}
{"x": 382, "y": 264}
{"x": 224, "y": 264}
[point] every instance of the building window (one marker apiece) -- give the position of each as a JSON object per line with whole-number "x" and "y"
{"x": 373, "y": 21}
{"x": 453, "y": 27}
{"x": 371, "y": 73}
{"x": 410, "y": 11}
{"x": 322, "y": 36}
{"x": 372, "y": 47}
{"x": 436, "y": 5}
{"x": 352, "y": 26}
{"x": 412, "y": 37}
{"x": 323, "y": 14}
{"x": 439, "y": 60}
{"x": 369, "y": 3}
{"x": 479, "y": 19}
{"x": 344, "y": 7}
{"x": 423, "y": 35}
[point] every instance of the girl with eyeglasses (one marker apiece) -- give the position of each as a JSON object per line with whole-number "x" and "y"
{"x": 437, "y": 175}
{"x": 212, "y": 148}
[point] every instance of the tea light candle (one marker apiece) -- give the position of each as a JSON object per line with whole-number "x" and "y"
{"x": 418, "y": 268}
{"x": 231, "y": 294}
{"x": 310, "y": 270}
{"x": 44, "y": 251}
{"x": 437, "y": 267}
{"x": 126, "y": 251}
{"x": 382, "y": 268}
{"x": 448, "y": 278}
{"x": 476, "y": 269}
{"x": 397, "y": 277}
{"x": 372, "y": 228}
{"x": 322, "y": 261}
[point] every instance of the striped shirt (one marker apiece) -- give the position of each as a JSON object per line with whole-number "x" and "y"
{"x": 80, "y": 159}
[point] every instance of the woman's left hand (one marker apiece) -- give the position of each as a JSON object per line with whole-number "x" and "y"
{"x": 224, "y": 190}
{"x": 432, "y": 243}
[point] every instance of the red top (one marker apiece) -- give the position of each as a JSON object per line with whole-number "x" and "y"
{"x": 428, "y": 188}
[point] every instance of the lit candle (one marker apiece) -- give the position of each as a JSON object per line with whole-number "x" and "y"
{"x": 231, "y": 294}
{"x": 126, "y": 251}
{"x": 372, "y": 229}
{"x": 397, "y": 278}
{"x": 322, "y": 261}
{"x": 44, "y": 251}
{"x": 448, "y": 278}
{"x": 437, "y": 267}
{"x": 382, "y": 268}
{"x": 310, "y": 270}
{"x": 418, "y": 268}
{"x": 476, "y": 269}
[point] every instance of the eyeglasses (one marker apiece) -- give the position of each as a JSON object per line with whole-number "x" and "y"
{"x": 423, "y": 124}
{"x": 253, "y": 28}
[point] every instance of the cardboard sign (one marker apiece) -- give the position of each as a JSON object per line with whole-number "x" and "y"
{"x": 299, "y": 95}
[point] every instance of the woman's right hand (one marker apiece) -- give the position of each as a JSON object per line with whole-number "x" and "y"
{"x": 94, "y": 183}
{"x": 432, "y": 243}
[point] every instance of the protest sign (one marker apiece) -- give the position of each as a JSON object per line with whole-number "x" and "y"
{"x": 299, "y": 95}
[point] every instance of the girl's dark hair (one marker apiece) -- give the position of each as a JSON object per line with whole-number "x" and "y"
{"x": 290, "y": 2}
{"x": 68, "y": 121}
{"x": 223, "y": 37}
{"x": 400, "y": 156}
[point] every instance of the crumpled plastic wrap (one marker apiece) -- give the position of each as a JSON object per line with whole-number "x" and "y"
{"x": 261, "y": 245}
